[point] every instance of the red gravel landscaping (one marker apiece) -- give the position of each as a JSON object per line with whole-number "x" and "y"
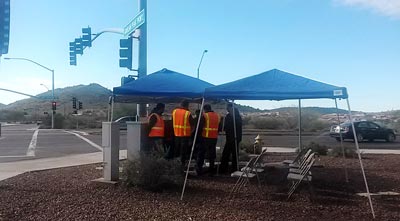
{"x": 70, "y": 194}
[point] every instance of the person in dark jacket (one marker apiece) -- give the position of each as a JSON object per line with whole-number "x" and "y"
{"x": 231, "y": 147}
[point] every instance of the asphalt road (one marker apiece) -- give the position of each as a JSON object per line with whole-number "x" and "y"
{"x": 22, "y": 142}
{"x": 292, "y": 140}
{"x": 26, "y": 141}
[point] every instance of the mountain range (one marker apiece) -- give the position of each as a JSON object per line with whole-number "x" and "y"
{"x": 95, "y": 96}
{"x": 92, "y": 96}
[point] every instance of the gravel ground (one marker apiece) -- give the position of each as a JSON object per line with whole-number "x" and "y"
{"x": 70, "y": 194}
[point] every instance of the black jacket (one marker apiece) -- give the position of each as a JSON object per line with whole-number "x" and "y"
{"x": 229, "y": 129}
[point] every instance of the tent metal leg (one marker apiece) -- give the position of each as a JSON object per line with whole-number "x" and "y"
{"x": 359, "y": 158}
{"x": 341, "y": 142}
{"x": 300, "y": 138}
{"x": 191, "y": 153}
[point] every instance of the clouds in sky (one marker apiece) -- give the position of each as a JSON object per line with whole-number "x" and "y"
{"x": 389, "y": 8}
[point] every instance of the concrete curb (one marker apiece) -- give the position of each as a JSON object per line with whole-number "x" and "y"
{"x": 11, "y": 169}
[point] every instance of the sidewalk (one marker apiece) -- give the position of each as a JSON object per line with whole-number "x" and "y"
{"x": 11, "y": 169}
{"x": 363, "y": 151}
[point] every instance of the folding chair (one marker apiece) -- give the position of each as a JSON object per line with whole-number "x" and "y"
{"x": 301, "y": 156}
{"x": 302, "y": 173}
{"x": 251, "y": 170}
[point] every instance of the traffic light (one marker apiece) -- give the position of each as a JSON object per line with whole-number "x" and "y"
{"x": 78, "y": 46}
{"x": 125, "y": 80}
{"x": 125, "y": 53}
{"x": 87, "y": 37}
{"x": 4, "y": 26}
{"x": 54, "y": 105}
{"x": 80, "y": 105}
{"x": 74, "y": 102}
{"x": 72, "y": 54}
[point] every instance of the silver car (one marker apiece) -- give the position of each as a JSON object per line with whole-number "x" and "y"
{"x": 122, "y": 121}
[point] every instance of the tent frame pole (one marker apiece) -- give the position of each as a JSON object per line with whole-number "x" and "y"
{"x": 300, "y": 138}
{"x": 359, "y": 158}
{"x": 346, "y": 175}
{"x": 193, "y": 145}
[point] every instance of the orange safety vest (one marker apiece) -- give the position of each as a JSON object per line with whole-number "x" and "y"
{"x": 180, "y": 121}
{"x": 158, "y": 129}
{"x": 210, "y": 127}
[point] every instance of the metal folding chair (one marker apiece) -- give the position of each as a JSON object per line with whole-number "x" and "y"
{"x": 251, "y": 170}
{"x": 302, "y": 173}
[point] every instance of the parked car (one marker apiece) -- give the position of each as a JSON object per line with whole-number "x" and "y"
{"x": 122, "y": 121}
{"x": 365, "y": 130}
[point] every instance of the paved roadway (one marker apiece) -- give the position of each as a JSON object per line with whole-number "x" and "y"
{"x": 322, "y": 139}
{"x": 26, "y": 141}
{"x": 22, "y": 142}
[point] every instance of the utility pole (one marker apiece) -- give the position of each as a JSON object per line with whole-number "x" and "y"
{"x": 142, "y": 53}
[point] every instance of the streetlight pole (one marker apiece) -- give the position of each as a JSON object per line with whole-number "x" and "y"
{"x": 198, "y": 68}
{"x": 52, "y": 82}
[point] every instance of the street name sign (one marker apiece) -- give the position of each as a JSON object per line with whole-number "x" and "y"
{"x": 137, "y": 21}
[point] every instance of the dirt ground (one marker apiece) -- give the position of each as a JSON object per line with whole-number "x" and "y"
{"x": 70, "y": 194}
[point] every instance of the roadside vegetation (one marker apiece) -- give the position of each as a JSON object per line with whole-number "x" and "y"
{"x": 253, "y": 119}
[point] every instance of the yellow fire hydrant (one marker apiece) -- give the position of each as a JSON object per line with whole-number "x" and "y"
{"x": 258, "y": 143}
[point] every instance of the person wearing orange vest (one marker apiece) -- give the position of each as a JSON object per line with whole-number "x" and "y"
{"x": 209, "y": 126}
{"x": 182, "y": 122}
{"x": 157, "y": 129}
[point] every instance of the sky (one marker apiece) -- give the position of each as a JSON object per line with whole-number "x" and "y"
{"x": 349, "y": 43}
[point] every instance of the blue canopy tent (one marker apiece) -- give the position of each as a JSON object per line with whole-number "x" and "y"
{"x": 279, "y": 85}
{"x": 275, "y": 85}
{"x": 161, "y": 86}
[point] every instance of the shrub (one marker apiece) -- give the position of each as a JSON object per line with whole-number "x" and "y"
{"x": 152, "y": 173}
{"x": 246, "y": 146}
{"x": 349, "y": 152}
{"x": 317, "y": 148}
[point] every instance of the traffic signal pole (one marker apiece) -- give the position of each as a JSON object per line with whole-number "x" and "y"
{"x": 53, "y": 100}
{"x": 142, "y": 54}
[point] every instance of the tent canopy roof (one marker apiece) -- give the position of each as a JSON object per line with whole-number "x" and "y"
{"x": 275, "y": 85}
{"x": 161, "y": 86}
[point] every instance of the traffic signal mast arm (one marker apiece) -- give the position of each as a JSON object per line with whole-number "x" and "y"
{"x": 86, "y": 40}
{"x": 109, "y": 30}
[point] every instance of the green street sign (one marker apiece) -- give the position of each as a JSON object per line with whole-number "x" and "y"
{"x": 137, "y": 21}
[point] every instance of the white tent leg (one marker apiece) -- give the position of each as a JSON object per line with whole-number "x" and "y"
{"x": 193, "y": 145}
{"x": 359, "y": 158}
{"x": 341, "y": 142}
{"x": 300, "y": 141}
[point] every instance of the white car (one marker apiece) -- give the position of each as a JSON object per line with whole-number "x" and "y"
{"x": 122, "y": 121}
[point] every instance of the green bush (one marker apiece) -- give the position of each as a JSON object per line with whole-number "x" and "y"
{"x": 317, "y": 148}
{"x": 349, "y": 152}
{"x": 153, "y": 173}
{"x": 246, "y": 146}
